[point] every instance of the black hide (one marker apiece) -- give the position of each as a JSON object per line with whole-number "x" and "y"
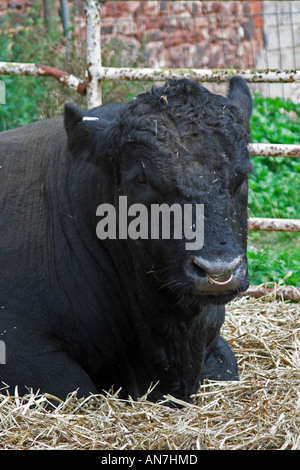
{"x": 77, "y": 312}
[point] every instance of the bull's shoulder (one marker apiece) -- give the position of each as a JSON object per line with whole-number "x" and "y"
{"x": 29, "y": 157}
{"x": 26, "y": 146}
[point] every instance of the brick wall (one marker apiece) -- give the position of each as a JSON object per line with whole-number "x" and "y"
{"x": 183, "y": 34}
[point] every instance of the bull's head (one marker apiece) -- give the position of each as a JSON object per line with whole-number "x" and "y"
{"x": 179, "y": 144}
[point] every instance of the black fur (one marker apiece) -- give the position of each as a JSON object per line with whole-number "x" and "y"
{"x": 81, "y": 313}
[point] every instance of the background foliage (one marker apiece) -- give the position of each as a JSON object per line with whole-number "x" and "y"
{"x": 275, "y": 192}
{"x": 274, "y": 184}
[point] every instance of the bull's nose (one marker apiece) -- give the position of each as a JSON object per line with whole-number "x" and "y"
{"x": 216, "y": 272}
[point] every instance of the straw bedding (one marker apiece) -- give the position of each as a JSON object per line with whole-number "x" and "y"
{"x": 262, "y": 411}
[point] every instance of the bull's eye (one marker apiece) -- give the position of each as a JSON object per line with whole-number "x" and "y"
{"x": 141, "y": 179}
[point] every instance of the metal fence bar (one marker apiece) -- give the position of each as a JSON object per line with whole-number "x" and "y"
{"x": 201, "y": 75}
{"x": 147, "y": 74}
{"x": 274, "y": 150}
{"x": 93, "y": 52}
{"x": 67, "y": 79}
{"x": 279, "y": 292}
{"x": 274, "y": 225}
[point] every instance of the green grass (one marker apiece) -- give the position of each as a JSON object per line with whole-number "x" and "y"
{"x": 274, "y": 185}
{"x": 274, "y": 191}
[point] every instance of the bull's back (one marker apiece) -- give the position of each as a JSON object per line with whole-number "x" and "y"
{"x": 26, "y": 153}
{"x": 28, "y": 157}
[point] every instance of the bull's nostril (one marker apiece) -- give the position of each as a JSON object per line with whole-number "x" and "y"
{"x": 199, "y": 271}
{"x": 216, "y": 271}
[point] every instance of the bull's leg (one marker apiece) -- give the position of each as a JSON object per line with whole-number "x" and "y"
{"x": 53, "y": 372}
{"x": 221, "y": 364}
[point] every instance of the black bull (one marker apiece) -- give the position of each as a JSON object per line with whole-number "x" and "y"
{"x": 77, "y": 312}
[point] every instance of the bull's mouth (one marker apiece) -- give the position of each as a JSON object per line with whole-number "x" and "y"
{"x": 190, "y": 284}
{"x": 195, "y": 297}
{"x": 214, "y": 288}
{"x": 208, "y": 290}
{"x": 223, "y": 296}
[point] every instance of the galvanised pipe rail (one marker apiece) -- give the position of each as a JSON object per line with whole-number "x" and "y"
{"x": 274, "y": 150}
{"x": 150, "y": 74}
{"x": 67, "y": 79}
{"x": 274, "y": 225}
{"x": 279, "y": 292}
{"x": 93, "y": 52}
{"x": 200, "y": 75}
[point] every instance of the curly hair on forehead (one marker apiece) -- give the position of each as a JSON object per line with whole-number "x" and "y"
{"x": 184, "y": 114}
{"x": 183, "y": 94}
{"x": 183, "y": 106}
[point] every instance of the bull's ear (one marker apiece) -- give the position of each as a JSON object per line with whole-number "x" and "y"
{"x": 87, "y": 134}
{"x": 239, "y": 94}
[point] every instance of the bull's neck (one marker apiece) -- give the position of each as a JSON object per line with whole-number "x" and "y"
{"x": 155, "y": 309}
{"x": 172, "y": 340}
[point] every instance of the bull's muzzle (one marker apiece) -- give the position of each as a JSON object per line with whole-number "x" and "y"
{"x": 217, "y": 274}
